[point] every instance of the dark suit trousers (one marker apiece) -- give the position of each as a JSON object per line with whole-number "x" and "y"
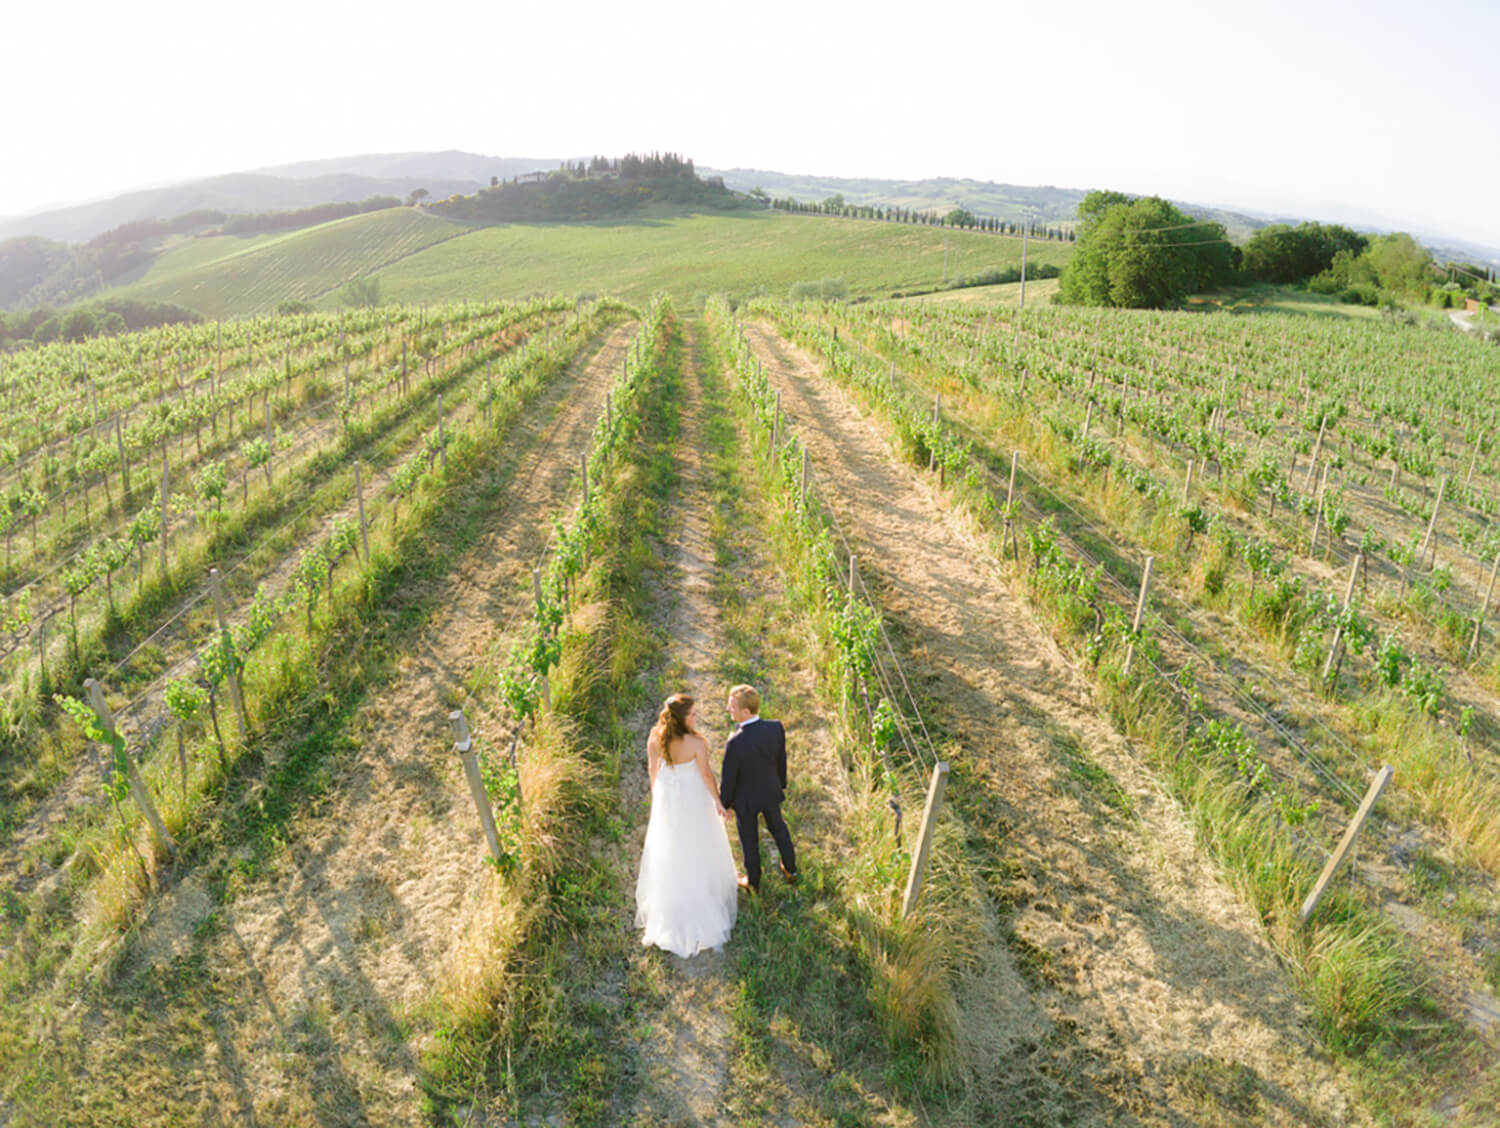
{"x": 750, "y": 840}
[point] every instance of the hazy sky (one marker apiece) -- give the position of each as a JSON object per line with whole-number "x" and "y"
{"x": 1384, "y": 108}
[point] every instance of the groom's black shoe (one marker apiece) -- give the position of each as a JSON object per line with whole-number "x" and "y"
{"x": 791, "y": 878}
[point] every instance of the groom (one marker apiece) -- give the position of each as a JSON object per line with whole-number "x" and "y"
{"x": 753, "y": 783}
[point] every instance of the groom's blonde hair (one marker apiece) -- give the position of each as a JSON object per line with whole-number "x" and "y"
{"x": 745, "y": 697}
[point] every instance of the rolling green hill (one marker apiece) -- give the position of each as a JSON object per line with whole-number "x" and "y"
{"x": 691, "y": 255}
{"x": 422, "y": 258}
{"x": 227, "y": 275}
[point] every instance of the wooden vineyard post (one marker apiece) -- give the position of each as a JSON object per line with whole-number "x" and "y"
{"x": 1335, "y": 651}
{"x": 227, "y": 642}
{"x": 359, "y": 499}
{"x": 1008, "y": 532}
{"x": 1483, "y": 611}
{"x": 937, "y": 405}
{"x": 1317, "y": 450}
{"x": 583, "y": 472}
{"x": 924, "y": 837}
{"x": 776, "y": 427}
{"x": 138, "y": 790}
{"x": 1432, "y": 522}
{"x": 1318, "y": 513}
{"x": 1187, "y": 483}
{"x": 463, "y": 744}
{"x": 1088, "y": 419}
{"x": 124, "y": 466}
{"x": 442, "y": 434}
{"x": 41, "y": 645}
{"x": 1140, "y": 613}
{"x": 1473, "y": 458}
{"x": 1346, "y": 844}
{"x": 803, "y": 497}
{"x": 165, "y": 494}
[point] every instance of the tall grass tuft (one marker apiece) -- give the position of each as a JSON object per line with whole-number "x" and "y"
{"x": 916, "y": 960}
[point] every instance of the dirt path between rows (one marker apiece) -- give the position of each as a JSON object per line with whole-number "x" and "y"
{"x": 1150, "y": 996}
{"x": 683, "y": 1061}
{"x": 327, "y": 961}
{"x": 683, "y": 1047}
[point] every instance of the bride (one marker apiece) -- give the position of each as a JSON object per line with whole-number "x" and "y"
{"x": 686, "y": 895}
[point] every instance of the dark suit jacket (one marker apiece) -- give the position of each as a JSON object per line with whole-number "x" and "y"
{"x": 754, "y": 777}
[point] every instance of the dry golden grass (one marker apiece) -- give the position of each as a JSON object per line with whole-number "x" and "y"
{"x": 1432, "y": 766}
{"x": 916, "y": 961}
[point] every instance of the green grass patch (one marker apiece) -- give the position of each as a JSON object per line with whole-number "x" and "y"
{"x": 230, "y": 276}
{"x": 688, "y": 256}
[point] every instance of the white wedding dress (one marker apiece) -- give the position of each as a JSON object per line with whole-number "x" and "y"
{"x": 686, "y": 896}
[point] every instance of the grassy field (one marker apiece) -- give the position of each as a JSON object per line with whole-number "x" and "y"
{"x": 419, "y": 258}
{"x": 1288, "y": 299}
{"x": 688, "y": 256}
{"x": 1007, "y": 294}
{"x": 229, "y": 275}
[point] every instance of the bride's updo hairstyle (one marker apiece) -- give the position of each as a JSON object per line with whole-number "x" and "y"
{"x": 672, "y": 723}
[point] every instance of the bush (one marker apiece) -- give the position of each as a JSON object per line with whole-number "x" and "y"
{"x": 1361, "y": 293}
{"x": 360, "y": 292}
{"x": 825, "y": 289}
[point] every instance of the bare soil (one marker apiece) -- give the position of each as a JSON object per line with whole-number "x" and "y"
{"x": 682, "y": 1050}
{"x": 1138, "y": 988}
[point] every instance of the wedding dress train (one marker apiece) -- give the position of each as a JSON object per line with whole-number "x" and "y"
{"x": 686, "y": 896}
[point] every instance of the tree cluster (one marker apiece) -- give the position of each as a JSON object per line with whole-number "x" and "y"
{"x": 1143, "y": 253}
{"x": 1283, "y": 253}
{"x": 632, "y": 166}
{"x": 257, "y": 222}
{"x": 143, "y": 230}
{"x": 957, "y": 217}
{"x": 44, "y": 324}
{"x": 36, "y": 271}
{"x": 593, "y": 189}
{"x": 1389, "y": 266}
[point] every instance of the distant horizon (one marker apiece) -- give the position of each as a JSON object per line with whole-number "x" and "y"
{"x": 1281, "y": 108}
{"x": 1344, "y": 213}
